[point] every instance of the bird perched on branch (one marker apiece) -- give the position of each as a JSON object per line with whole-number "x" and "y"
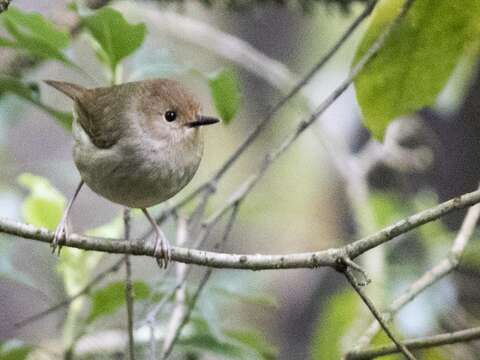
{"x": 136, "y": 144}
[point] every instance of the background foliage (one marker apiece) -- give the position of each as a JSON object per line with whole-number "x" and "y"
{"x": 429, "y": 60}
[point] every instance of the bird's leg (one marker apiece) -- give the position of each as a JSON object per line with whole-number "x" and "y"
{"x": 162, "y": 246}
{"x": 62, "y": 227}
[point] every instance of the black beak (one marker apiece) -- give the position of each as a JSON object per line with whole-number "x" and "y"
{"x": 203, "y": 120}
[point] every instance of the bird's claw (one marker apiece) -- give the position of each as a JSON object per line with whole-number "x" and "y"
{"x": 61, "y": 233}
{"x": 163, "y": 251}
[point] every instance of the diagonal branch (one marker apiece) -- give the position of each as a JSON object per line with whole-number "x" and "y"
{"x": 398, "y": 345}
{"x": 436, "y": 273}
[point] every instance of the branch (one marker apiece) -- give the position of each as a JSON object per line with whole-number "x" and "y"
{"x": 181, "y": 306}
{"x": 398, "y": 345}
{"x": 328, "y": 257}
{"x": 421, "y": 343}
{"x": 129, "y": 287}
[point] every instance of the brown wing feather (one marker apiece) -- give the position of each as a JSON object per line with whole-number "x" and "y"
{"x": 100, "y": 111}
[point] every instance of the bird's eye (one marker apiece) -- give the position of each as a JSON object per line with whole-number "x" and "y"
{"x": 170, "y": 115}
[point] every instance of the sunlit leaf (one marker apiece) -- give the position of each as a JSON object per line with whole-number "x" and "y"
{"x": 254, "y": 341}
{"x": 414, "y": 65}
{"x": 225, "y": 93}
{"x": 109, "y": 299}
{"x": 44, "y": 205}
{"x": 116, "y": 37}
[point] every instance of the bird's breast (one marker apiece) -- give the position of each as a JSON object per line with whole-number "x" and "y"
{"x": 136, "y": 172}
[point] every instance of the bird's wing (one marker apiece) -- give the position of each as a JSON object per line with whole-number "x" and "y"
{"x": 100, "y": 113}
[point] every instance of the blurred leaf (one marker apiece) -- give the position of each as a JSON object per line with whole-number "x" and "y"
{"x": 434, "y": 354}
{"x": 76, "y": 266}
{"x": 14, "y": 350}
{"x": 35, "y": 34}
{"x": 471, "y": 257}
{"x": 255, "y": 341}
{"x": 225, "y": 93}
{"x": 235, "y": 345}
{"x": 36, "y": 25}
{"x": 115, "y": 36}
{"x": 435, "y": 232}
{"x": 204, "y": 342}
{"x": 336, "y": 318}
{"x": 31, "y": 93}
{"x": 388, "y": 207}
{"x": 417, "y": 59}
{"x": 44, "y": 205}
{"x": 107, "y": 300}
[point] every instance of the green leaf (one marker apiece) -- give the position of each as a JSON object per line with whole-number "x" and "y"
{"x": 115, "y": 36}
{"x": 36, "y": 25}
{"x": 225, "y": 93}
{"x": 199, "y": 338}
{"x": 30, "y": 92}
{"x": 254, "y": 341}
{"x": 44, "y": 205}
{"x": 417, "y": 59}
{"x": 14, "y": 350}
{"x": 35, "y": 34}
{"x": 338, "y": 316}
{"x": 107, "y": 300}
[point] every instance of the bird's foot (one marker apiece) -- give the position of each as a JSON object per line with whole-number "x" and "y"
{"x": 61, "y": 233}
{"x": 163, "y": 250}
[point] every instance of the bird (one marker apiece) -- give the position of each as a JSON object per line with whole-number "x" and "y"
{"x": 136, "y": 144}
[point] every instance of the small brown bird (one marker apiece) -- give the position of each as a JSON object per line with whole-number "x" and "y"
{"x": 136, "y": 144}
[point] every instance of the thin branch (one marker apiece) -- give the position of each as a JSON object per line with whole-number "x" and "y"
{"x": 327, "y": 257}
{"x": 178, "y": 313}
{"x": 98, "y": 278}
{"x": 421, "y": 343}
{"x": 430, "y": 277}
{"x": 186, "y": 315}
{"x": 398, "y": 345}
{"x": 129, "y": 287}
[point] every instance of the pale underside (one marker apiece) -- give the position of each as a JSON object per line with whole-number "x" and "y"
{"x": 140, "y": 171}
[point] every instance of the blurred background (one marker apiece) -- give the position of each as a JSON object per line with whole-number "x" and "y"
{"x": 333, "y": 186}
